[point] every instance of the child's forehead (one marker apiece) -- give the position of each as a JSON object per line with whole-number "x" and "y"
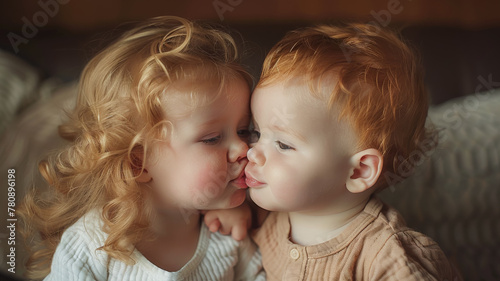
{"x": 192, "y": 94}
{"x": 293, "y": 106}
{"x": 302, "y": 93}
{"x": 303, "y": 87}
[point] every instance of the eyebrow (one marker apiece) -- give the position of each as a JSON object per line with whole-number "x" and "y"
{"x": 289, "y": 131}
{"x": 212, "y": 121}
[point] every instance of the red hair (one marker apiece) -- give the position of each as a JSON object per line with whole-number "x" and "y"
{"x": 380, "y": 88}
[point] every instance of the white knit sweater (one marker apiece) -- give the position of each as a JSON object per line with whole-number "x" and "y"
{"x": 217, "y": 257}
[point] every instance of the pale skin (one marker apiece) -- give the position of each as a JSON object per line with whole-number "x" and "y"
{"x": 199, "y": 167}
{"x": 174, "y": 234}
{"x": 307, "y": 162}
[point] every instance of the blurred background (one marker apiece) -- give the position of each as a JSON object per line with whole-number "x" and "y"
{"x": 61, "y": 35}
{"x": 454, "y": 197}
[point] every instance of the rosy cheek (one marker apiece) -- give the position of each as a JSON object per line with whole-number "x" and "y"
{"x": 209, "y": 184}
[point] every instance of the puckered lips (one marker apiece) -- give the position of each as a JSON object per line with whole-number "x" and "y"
{"x": 251, "y": 181}
{"x": 240, "y": 181}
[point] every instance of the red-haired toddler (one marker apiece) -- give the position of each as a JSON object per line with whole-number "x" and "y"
{"x": 336, "y": 110}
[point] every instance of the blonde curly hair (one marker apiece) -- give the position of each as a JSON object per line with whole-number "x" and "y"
{"x": 118, "y": 114}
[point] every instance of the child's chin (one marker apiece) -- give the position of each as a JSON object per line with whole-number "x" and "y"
{"x": 237, "y": 198}
{"x": 256, "y": 199}
{"x": 265, "y": 204}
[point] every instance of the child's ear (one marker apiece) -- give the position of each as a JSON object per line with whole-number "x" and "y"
{"x": 143, "y": 177}
{"x": 140, "y": 173}
{"x": 366, "y": 167}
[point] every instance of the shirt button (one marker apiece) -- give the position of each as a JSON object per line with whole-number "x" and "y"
{"x": 294, "y": 254}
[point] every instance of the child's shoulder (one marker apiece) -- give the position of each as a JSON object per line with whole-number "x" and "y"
{"x": 409, "y": 253}
{"x": 88, "y": 229}
{"x": 76, "y": 254}
{"x": 90, "y": 221}
{"x": 394, "y": 246}
{"x": 390, "y": 246}
{"x": 243, "y": 254}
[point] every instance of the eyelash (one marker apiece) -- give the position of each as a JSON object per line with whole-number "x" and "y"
{"x": 255, "y": 136}
{"x": 283, "y": 146}
{"x": 213, "y": 140}
{"x": 245, "y": 133}
{"x": 241, "y": 133}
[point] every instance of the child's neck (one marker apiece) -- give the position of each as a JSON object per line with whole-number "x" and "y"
{"x": 172, "y": 223}
{"x": 175, "y": 240}
{"x": 311, "y": 228}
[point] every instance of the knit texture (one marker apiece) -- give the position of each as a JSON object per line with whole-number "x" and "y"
{"x": 217, "y": 257}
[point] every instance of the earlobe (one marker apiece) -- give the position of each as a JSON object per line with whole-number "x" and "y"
{"x": 144, "y": 177}
{"x": 140, "y": 172}
{"x": 365, "y": 170}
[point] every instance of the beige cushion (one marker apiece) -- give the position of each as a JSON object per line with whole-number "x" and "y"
{"x": 454, "y": 196}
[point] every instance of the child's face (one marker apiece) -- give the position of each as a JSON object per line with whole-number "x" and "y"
{"x": 301, "y": 160}
{"x": 202, "y": 164}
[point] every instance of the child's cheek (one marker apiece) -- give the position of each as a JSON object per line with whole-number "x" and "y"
{"x": 286, "y": 184}
{"x": 208, "y": 184}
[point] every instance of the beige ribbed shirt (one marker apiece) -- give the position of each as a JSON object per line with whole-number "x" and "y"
{"x": 376, "y": 245}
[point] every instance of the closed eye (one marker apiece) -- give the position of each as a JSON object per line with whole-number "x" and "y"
{"x": 254, "y": 136}
{"x": 283, "y": 146}
{"x": 244, "y": 134}
{"x": 213, "y": 140}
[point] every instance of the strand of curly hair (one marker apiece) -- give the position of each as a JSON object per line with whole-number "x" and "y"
{"x": 118, "y": 115}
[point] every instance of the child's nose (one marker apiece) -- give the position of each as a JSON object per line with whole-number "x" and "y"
{"x": 256, "y": 156}
{"x": 237, "y": 150}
